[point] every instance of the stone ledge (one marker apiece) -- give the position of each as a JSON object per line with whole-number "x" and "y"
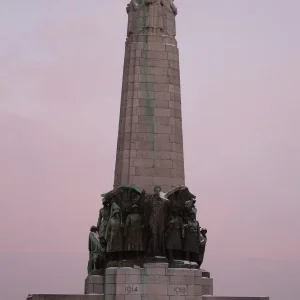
{"x": 65, "y": 297}
{"x": 233, "y": 298}
{"x": 203, "y": 281}
{"x": 156, "y": 265}
{"x": 181, "y": 271}
{"x": 111, "y": 270}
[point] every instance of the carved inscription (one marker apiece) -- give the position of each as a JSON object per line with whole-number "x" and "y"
{"x": 178, "y": 290}
{"x": 132, "y": 289}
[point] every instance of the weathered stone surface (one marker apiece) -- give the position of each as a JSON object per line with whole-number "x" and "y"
{"x": 94, "y": 284}
{"x": 138, "y": 284}
{"x": 156, "y": 265}
{"x": 133, "y": 279}
{"x": 177, "y": 290}
{"x": 128, "y": 271}
{"x": 110, "y": 278}
{"x": 160, "y": 289}
{"x": 129, "y": 289}
{"x": 180, "y": 272}
{"x": 198, "y": 273}
{"x": 147, "y": 279}
{"x": 151, "y": 86}
{"x": 155, "y": 271}
{"x": 110, "y": 288}
{"x": 94, "y": 279}
{"x": 233, "y": 298}
{"x": 179, "y": 279}
{"x": 111, "y": 270}
{"x": 203, "y": 281}
{"x": 198, "y": 290}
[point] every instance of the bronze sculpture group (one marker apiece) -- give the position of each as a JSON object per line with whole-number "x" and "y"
{"x": 134, "y": 227}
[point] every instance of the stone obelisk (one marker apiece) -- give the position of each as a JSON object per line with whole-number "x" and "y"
{"x": 150, "y": 143}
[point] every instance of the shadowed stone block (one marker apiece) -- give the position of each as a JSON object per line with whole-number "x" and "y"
{"x": 94, "y": 284}
{"x": 110, "y": 289}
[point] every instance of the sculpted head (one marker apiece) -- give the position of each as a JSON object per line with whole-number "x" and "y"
{"x": 188, "y": 204}
{"x": 157, "y": 190}
{"x": 203, "y": 231}
{"x": 135, "y": 208}
{"x": 93, "y": 229}
{"x": 175, "y": 212}
{"x": 117, "y": 215}
{"x": 105, "y": 201}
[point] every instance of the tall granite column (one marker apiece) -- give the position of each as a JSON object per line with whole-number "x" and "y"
{"x": 150, "y": 143}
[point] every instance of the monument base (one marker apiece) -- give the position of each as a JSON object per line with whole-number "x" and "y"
{"x": 102, "y": 297}
{"x": 155, "y": 281}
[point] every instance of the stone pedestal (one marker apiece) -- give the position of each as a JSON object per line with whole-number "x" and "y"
{"x": 156, "y": 282}
{"x": 94, "y": 284}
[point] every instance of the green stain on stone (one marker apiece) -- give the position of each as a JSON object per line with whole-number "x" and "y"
{"x": 149, "y": 110}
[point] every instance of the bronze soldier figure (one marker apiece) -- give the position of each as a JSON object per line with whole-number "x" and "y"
{"x": 96, "y": 252}
{"x": 202, "y": 243}
{"x": 159, "y": 211}
{"x": 134, "y": 232}
{"x": 103, "y": 219}
{"x": 191, "y": 239}
{"x": 174, "y": 234}
{"x": 114, "y": 234}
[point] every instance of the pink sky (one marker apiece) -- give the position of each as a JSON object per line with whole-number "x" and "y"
{"x": 60, "y": 81}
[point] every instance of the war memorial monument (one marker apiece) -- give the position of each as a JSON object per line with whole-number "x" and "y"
{"x": 147, "y": 243}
